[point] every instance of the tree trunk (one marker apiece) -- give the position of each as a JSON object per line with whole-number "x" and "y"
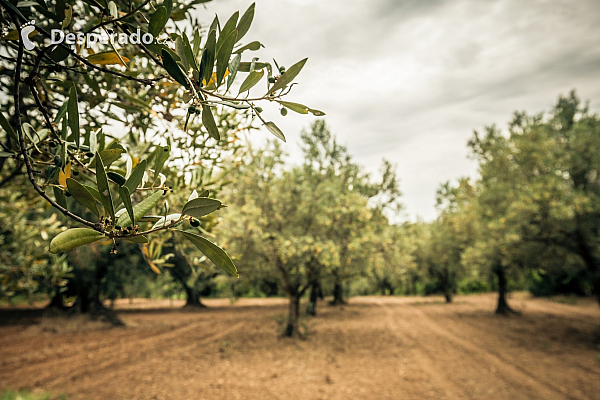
{"x": 193, "y": 299}
{"x": 446, "y": 285}
{"x": 88, "y": 297}
{"x": 503, "y": 307}
{"x": 338, "y": 292}
{"x": 181, "y": 272}
{"x": 448, "y": 296}
{"x": 315, "y": 290}
{"x": 57, "y": 301}
{"x": 593, "y": 265}
{"x": 292, "y": 328}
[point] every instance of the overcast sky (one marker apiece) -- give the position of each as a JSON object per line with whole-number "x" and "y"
{"x": 410, "y": 80}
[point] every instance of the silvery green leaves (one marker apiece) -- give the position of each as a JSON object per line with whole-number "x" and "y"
{"x": 72, "y": 238}
{"x": 288, "y": 76}
{"x": 173, "y": 68}
{"x": 214, "y": 253}
{"x": 200, "y": 207}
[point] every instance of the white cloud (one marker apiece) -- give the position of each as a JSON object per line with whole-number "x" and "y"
{"x": 410, "y": 80}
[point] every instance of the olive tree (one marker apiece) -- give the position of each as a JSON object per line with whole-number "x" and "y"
{"x": 93, "y": 124}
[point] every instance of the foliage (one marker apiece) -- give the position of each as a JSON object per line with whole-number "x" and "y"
{"x": 106, "y": 132}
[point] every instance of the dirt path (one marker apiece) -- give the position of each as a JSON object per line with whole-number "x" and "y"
{"x": 375, "y": 348}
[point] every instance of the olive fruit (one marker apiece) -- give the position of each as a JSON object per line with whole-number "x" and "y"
{"x": 67, "y": 193}
{"x": 192, "y": 109}
{"x": 258, "y": 109}
{"x": 283, "y": 111}
{"x": 194, "y": 222}
{"x": 271, "y": 79}
{"x": 198, "y": 111}
{"x": 282, "y": 69}
{"x": 57, "y": 160}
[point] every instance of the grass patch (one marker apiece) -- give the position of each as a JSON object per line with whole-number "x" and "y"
{"x": 570, "y": 300}
{"x": 27, "y": 395}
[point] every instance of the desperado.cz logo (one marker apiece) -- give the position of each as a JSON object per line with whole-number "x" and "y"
{"x": 26, "y": 30}
{"x": 57, "y": 37}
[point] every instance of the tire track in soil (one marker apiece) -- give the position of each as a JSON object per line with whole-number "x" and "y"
{"x": 481, "y": 325}
{"x": 424, "y": 360}
{"x": 510, "y": 372}
{"x": 108, "y": 351}
{"x": 132, "y": 368}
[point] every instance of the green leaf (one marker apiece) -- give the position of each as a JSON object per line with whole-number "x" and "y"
{"x": 59, "y": 54}
{"x": 252, "y": 46}
{"x": 136, "y": 176}
{"x": 213, "y": 252}
{"x": 296, "y": 107}
{"x": 73, "y": 113}
{"x": 158, "y": 20}
{"x": 59, "y": 195}
{"x": 196, "y": 43}
{"x": 72, "y": 238}
{"x": 110, "y": 156}
{"x": 169, "y": 6}
{"x": 208, "y": 57}
{"x": 316, "y": 113}
{"x": 112, "y": 8}
{"x": 62, "y": 111}
{"x": 189, "y": 53}
{"x": 103, "y": 189}
{"x": 180, "y": 50}
{"x": 275, "y": 130}
{"x": 245, "y": 66}
{"x": 173, "y": 68}
{"x": 234, "y": 65}
{"x": 251, "y": 80}
{"x": 140, "y": 209}
{"x": 94, "y": 192}
{"x": 200, "y": 206}
{"x": 161, "y": 154}
{"x": 209, "y": 122}
{"x": 9, "y": 129}
{"x": 246, "y": 21}
{"x": 126, "y": 199}
{"x": 138, "y": 239}
{"x": 226, "y": 31}
{"x": 237, "y": 106}
{"x": 224, "y": 54}
{"x": 82, "y": 196}
{"x": 288, "y": 76}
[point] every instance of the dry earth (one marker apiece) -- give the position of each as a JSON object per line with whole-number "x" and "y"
{"x": 374, "y": 348}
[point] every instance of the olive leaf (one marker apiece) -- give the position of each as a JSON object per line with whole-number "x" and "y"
{"x": 103, "y": 189}
{"x": 158, "y": 20}
{"x": 140, "y": 209}
{"x": 82, "y": 196}
{"x": 173, "y": 68}
{"x": 200, "y": 206}
{"x": 251, "y": 80}
{"x": 246, "y": 21}
{"x": 209, "y": 122}
{"x": 275, "y": 130}
{"x": 287, "y": 77}
{"x": 214, "y": 253}
{"x": 72, "y": 238}
{"x": 208, "y": 57}
{"x": 73, "y": 114}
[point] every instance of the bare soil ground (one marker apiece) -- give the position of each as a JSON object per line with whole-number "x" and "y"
{"x": 374, "y": 348}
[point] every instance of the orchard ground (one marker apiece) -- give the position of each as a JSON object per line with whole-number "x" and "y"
{"x": 373, "y": 348}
